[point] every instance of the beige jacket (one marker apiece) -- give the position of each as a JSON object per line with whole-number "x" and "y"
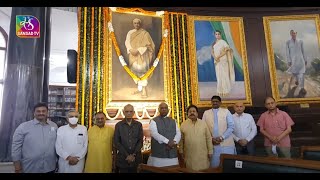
{"x": 208, "y": 117}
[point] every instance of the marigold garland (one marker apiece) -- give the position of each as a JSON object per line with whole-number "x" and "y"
{"x": 125, "y": 66}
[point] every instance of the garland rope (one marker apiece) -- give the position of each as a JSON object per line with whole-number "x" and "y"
{"x": 124, "y": 64}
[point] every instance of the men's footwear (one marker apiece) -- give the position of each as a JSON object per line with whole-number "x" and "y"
{"x": 144, "y": 92}
{"x": 136, "y": 92}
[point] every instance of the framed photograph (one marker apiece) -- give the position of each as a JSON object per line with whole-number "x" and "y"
{"x": 293, "y": 57}
{"x": 136, "y": 58}
{"x": 219, "y": 63}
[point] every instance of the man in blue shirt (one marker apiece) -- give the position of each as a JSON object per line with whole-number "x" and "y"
{"x": 33, "y": 144}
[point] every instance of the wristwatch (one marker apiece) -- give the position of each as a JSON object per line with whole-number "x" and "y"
{"x": 221, "y": 138}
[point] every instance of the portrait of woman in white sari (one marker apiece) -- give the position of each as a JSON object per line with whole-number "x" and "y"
{"x": 218, "y": 58}
{"x": 224, "y": 66}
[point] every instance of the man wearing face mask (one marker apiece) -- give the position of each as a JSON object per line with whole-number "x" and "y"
{"x": 71, "y": 145}
{"x": 165, "y": 135}
{"x": 99, "y": 156}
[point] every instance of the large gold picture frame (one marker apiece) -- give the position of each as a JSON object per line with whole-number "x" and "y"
{"x": 206, "y": 72}
{"x": 122, "y": 86}
{"x": 293, "y": 57}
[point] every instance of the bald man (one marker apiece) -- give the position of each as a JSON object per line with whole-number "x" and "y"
{"x": 275, "y": 125}
{"x": 140, "y": 49}
{"x": 165, "y": 135}
{"x": 245, "y": 130}
{"x": 128, "y": 139}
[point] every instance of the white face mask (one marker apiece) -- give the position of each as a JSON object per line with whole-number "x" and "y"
{"x": 73, "y": 120}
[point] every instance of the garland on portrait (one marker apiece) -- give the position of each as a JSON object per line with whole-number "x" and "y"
{"x": 121, "y": 58}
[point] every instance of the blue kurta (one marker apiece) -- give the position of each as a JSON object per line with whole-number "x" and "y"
{"x": 218, "y": 149}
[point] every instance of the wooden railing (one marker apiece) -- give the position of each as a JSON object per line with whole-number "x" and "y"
{"x": 259, "y": 164}
{"x": 310, "y": 153}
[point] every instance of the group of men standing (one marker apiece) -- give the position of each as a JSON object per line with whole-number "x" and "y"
{"x": 220, "y": 132}
{"x": 38, "y": 143}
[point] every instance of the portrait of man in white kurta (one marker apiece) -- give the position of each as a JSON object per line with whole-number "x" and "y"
{"x": 139, "y": 38}
{"x": 293, "y": 47}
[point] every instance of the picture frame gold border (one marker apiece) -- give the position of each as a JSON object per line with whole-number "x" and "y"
{"x": 193, "y": 61}
{"x": 271, "y": 60}
{"x": 112, "y": 104}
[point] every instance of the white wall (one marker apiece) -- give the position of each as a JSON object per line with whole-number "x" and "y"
{"x": 5, "y": 15}
{"x": 64, "y": 36}
{"x": 64, "y": 31}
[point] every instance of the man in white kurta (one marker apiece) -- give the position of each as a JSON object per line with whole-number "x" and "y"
{"x": 156, "y": 135}
{"x": 140, "y": 49}
{"x": 71, "y": 145}
{"x": 195, "y": 146}
{"x": 296, "y": 59}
